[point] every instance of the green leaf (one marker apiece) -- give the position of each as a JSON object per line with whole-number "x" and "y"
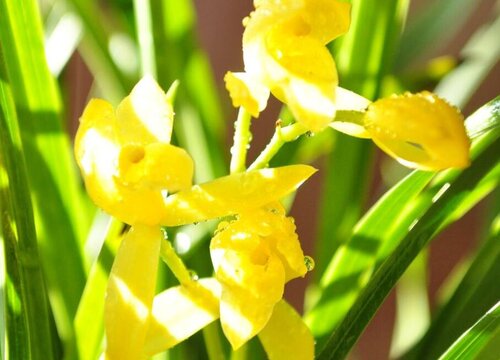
{"x": 352, "y": 265}
{"x": 94, "y": 47}
{"x": 477, "y": 292}
{"x": 470, "y": 344}
{"x": 27, "y": 323}
{"x": 480, "y": 55}
{"x": 61, "y": 214}
{"x": 466, "y": 186}
{"x": 435, "y": 24}
{"x": 374, "y": 32}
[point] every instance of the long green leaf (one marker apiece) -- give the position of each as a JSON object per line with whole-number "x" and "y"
{"x": 466, "y": 187}
{"x": 476, "y": 293}
{"x": 470, "y": 344}
{"x": 374, "y": 32}
{"x": 27, "y": 322}
{"x": 480, "y": 55}
{"x": 113, "y": 83}
{"x": 61, "y": 218}
{"x": 435, "y": 24}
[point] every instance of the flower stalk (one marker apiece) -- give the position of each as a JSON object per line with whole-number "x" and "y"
{"x": 241, "y": 141}
{"x": 281, "y": 136}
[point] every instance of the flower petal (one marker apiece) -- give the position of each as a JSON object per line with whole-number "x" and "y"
{"x": 232, "y": 194}
{"x": 247, "y": 91}
{"x": 181, "y": 311}
{"x": 286, "y": 336}
{"x": 145, "y": 116}
{"x": 249, "y": 292}
{"x": 130, "y": 293}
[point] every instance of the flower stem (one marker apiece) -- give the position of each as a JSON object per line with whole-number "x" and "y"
{"x": 240, "y": 354}
{"x": 142, "y": 10}
{"x": 211, "y": 334}
{"x": 241, "y": 140}
{"x": 174, "y": 262}
{"x": 280, "y": 137}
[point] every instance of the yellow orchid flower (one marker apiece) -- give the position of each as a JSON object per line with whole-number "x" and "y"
{"x": 420, "y": 130}
{"x": 125, "y": 155}
{"x": 129, "y": 168}
{"x": 254, "y": 256}
{"x": 284, "y": 53}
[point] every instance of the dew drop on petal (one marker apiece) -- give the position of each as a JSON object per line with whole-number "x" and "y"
{"x": 309, "y": 262}
{"x": 193, "y": 275}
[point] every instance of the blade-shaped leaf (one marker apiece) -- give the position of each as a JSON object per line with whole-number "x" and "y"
{"x": 477, "y": 292}
{"x": 374, "y": 32}
{"x": 27, "y": 322}
{"x": 61, "y": 217}
{"x": 470, "y": 344}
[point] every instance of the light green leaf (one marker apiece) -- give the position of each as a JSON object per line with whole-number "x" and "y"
{"x": 470, "y": 344}
{"x": 61, "y": 214}
{"x": 26, "y": 321}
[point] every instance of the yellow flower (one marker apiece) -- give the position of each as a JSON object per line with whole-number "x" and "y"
{"x": 420, "y": 130}
{"x": 125, "y": 155}
{"x": 284, "y": 53}
{"x": 254, "y": 256}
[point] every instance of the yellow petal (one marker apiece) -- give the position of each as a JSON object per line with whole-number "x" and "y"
{"x": 233, "y": 194}
{"x": 97, "y": 149}
{"x": 145, "y": 116}
{"x": 247, "y": 91}
{"x": 304, "y": 76}
{"x": 350, "y": 106}
{"x": 249, "y": 292}
{"x": 130, "y": 293}
{"x": 419, "y": 130}
{"x": 286, "y": 336}
{"x": 328, "y": 19}
{"x": 181, "y": 311}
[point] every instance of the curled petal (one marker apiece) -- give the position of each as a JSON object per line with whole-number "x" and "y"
{"x": 232, "y": 194}
{"x": 181, "y": 311}
{"x": 130, "y": 293}
{"x": 286, "y": 336}
{"x": 419, "y": 130}
{"x": 247, "y": 91}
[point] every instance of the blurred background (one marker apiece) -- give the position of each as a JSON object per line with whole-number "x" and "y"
{"x": 218, "y": 31}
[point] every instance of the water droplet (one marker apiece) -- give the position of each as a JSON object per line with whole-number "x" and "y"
{"x": 309, "y": 262}
{"x": 193, "y": 275}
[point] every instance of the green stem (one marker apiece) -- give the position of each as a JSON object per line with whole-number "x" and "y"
{"x": 211, "y": 334}
{"x": 241, "y": 353}
{"x": 175, "y": 263}
{"x": 280, "y": 137}
{"x": 241, "y": 140}
{"x": 142, "y": 12}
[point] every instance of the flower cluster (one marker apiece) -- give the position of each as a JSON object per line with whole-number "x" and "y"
{"x": 130, "y": 170}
